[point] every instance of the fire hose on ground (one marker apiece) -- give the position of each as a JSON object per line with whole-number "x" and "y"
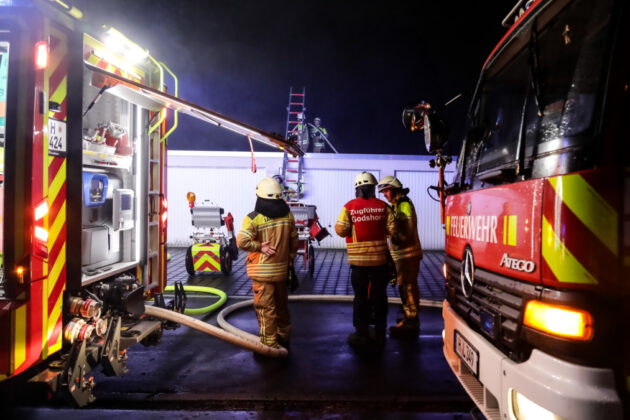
{"x": 241, "y": 338}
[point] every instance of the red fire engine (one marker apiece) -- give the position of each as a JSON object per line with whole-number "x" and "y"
{"x": 537, "y": 220}
{"x": 83, "y": 207}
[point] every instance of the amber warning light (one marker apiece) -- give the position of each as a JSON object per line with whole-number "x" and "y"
{"x": 191, "y": 199}
{"x": 560, "y": 321}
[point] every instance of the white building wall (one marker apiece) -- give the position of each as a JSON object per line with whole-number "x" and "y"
{"x": 226, "y": 178}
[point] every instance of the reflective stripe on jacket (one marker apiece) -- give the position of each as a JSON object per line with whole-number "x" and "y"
{"x": 405, "y": 242}
{"x": 364, "y": 223}
{"x": 280, "y": 233}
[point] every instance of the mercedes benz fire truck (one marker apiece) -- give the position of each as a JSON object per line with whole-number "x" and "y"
{"x": 537, "y": 220}
{"x": 83, "y": 209}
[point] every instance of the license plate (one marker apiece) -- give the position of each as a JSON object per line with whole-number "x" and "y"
{"x": 467, "y": 353}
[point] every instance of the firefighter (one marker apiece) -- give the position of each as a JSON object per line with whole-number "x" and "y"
{"x": 406, "y": 252}
{"x": 270, "y": 237}
{"x": 316, "y": 134}
{"x": 365, "y": 222}
{"x": 301, "y": 133}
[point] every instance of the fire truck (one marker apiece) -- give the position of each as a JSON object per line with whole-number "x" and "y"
{"x": 537, "y": 219}
{"x": 84, "y": 123}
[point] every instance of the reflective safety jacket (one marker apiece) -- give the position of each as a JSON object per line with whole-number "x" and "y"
{"x": 405, "y": 242}
{"x": 365, "y": 222}
{"x": 280, "y": 232}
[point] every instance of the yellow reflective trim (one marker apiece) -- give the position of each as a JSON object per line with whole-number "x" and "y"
{"x": 448, "y": 225}
{"x": 92, "y": 59}
{"x": 57, "y": 225}
{"x": 590, "y": 207}
{"x": 405, "y": 208}
{"x": 562, "y": 263}
{"x": 56, "y": 269}
{"x": 52, "y": 322}
{"x": 58, "y": 182}
{"x": 20, "y": 337}
{"x": 505, "y": 229}
{"x": 512, "y": 230}
{"x": 60, "y": 93}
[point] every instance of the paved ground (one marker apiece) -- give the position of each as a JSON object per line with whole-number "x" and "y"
{"x": 192, "y": 375}
{"x": 331, "y": 277}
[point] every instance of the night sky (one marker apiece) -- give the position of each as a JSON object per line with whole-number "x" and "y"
{"x": 361, "y": 62}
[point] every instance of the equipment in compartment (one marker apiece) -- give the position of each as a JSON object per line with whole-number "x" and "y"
{"x": 213, "y": 249}
{"x": 95, "y": 241}
{"x": 108, "y": 211}
{"x": 94, "y": 189}
{"x": 122, "y": 218}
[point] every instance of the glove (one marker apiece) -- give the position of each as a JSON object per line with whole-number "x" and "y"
{"x": 292, "y": 279}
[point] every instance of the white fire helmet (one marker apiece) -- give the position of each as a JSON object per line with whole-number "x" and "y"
{"x": 269, "y": 188}
{"x": 364, "y": 178}
{"x": 389, "y": 182}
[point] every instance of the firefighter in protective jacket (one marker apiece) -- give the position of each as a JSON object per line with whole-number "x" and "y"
{"x": 406, "y": 252}
{"x": 270, "y": 237}
{"x": 365, "y": 222}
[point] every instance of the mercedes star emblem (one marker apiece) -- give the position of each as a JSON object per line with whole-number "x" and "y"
{"x": 467, "y": 273}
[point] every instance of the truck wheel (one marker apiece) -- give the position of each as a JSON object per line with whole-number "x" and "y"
{"x": 190, "y": 266}
{"x": 311, "y": 259}
{"x": 233, "y": 249}
{"x": 226, "y": 261}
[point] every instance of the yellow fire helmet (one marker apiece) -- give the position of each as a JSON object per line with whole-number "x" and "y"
{"x": 364, "y": 178}
{"x": 389, "y": 182}
{"x": 269, "y": 188}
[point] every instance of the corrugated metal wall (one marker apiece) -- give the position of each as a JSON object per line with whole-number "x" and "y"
{"x": 226, "y": 178}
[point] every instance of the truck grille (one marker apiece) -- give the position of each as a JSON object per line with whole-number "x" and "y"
{"x": 499, "y": 296}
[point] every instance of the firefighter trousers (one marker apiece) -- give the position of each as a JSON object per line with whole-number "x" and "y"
{"x": 407, "y": 277}
{"x": 272, "y": 310}
{"x": 369, "y": 284}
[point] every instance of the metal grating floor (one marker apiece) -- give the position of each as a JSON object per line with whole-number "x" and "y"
{"x": 331, "y": 277}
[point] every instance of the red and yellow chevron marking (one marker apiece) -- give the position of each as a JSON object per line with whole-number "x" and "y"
{"x": 579, "y": 230}
{"x": 57, "y": 72}
{"x": 98, "y": 55}
{"x": 206, "y": 257}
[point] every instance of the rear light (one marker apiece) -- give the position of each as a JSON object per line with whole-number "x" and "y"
{"x": 164, "y": 216}
{"x": 41, "y": 234}
{"x": 41, "y": 210}
{"x": 41, "y": 55}
{"x": 560, "y": 321}
{"x": 164, "y": 212}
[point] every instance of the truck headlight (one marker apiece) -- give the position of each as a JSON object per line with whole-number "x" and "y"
{"x": 522, "y": 408}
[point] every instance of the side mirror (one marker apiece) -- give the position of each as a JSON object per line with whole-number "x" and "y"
{"x": 422, "y": 117}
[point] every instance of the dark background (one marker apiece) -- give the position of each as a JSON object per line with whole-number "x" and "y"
{"x": 361, "y": 62}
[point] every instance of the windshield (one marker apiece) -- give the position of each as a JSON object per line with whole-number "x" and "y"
{"x": 552, "y": 79}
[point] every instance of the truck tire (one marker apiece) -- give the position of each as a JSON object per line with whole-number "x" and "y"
{"x": 311, "y": 259}
{"x": 226, "y": 261}
{"x": 233, "y": 249}
{"x": 190, "y": 266}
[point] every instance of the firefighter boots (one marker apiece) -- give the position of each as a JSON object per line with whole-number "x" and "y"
{"x": 406, "y": 328}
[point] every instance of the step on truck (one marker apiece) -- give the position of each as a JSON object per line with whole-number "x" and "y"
{"x": 537, "y": 219}
{"x": 84, "y": 126}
